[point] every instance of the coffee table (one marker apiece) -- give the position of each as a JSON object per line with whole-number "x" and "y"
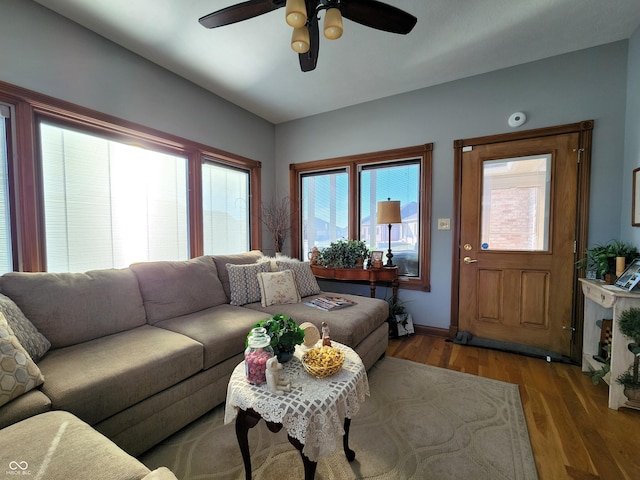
{"x": 314, "y": 413}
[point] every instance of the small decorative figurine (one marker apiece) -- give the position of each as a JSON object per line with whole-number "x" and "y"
{"x": 326, "y": 337}
{"x": 275, "y": 382}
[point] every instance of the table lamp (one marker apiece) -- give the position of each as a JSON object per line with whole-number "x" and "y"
{"x": 389, "y": 213}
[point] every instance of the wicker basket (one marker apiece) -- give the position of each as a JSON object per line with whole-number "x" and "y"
{"x": 323, "y": 361}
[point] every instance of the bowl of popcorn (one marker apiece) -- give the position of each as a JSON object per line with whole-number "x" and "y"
{"x": 323, "y": 361}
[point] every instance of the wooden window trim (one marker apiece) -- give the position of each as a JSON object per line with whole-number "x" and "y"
{"x": 351, "y": 164}
{"x": 28, "y": 217}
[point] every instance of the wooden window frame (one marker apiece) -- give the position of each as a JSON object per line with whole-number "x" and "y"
{"x": 27, "y": 212}
{"x": 352, "y": 163}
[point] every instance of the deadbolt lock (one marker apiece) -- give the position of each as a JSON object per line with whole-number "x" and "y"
{"x": 467, "y": 247}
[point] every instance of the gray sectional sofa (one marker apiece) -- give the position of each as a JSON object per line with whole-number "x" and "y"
{"x": 140, "y": 352}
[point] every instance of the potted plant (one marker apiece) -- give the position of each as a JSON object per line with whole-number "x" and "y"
{"x": 629, "y": 324}
{"x": 398, "y": 316}
{"x": 285, "y": 335}
{"x": 601, "y": 259}
{"x": 275, "y": 216}
{"x": 344, "y": 254}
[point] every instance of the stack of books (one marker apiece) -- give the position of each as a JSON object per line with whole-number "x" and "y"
{"x": 330, "y": 302}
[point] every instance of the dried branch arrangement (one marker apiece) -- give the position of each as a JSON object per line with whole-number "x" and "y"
{"x": 275, "y": 216}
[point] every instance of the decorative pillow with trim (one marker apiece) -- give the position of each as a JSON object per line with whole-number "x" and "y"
{"x": 278, "y": 288}
{"x": 243, "y": 282}
{"x": 26, "y": 332}
{"x": 18, "y": 373}
{"x": 305, "y": 280}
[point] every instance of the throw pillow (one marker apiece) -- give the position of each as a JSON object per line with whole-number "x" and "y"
{"x": 18, "y": 373}
{"x": 27, "y": 334}
{"x": 305, "y": 280}
{"x": 243, "y": 282}
{"x": 278, "y": 288}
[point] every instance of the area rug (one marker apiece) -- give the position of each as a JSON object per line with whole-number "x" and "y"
{"x": 420, "y": 422}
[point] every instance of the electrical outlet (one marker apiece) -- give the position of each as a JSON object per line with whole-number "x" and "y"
{"x": 444, "y": 224}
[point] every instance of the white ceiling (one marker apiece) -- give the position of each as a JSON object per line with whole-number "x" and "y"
{"x": 251, "y": 64}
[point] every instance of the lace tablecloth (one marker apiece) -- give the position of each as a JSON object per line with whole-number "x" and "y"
{"x": 314, "y": 410}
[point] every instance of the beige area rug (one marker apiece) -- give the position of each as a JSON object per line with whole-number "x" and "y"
{"x": 420, "y": 422}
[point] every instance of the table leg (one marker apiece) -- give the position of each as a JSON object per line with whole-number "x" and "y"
{"x": 244, "y": 422}
{"x": 309, "y": 466}
{"x": 372, "y": 288}
{"x": 350, "y": 454}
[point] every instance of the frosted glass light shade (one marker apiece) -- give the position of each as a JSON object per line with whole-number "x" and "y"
{"x": 333, "y": 24}
{"x": 296, "y": 13}
{"x": 300, "y": 40}
{"x": 389, "y": 212}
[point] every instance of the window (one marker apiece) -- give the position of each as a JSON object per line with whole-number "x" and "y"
{"x": 338, "y": 200}
{"x": 225, "y": 209}
{"x": 6, "y": 254}
{"x": 108, "y": 204}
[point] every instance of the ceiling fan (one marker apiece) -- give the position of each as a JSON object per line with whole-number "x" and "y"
{"x": 303, "y": 16}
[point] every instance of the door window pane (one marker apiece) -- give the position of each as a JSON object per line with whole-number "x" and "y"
{"x": 400, "y": 181}
{"x": 225, "y": 209}
{"x": 515, "y": 203}
{"x": 325, "y": 209}
{"x": 108, "y": 204}
{"x": 6, "y": 257}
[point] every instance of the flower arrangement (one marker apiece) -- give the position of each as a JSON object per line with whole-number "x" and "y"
{"x": 275, "y": 216}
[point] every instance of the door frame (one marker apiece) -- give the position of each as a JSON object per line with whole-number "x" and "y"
{"x": 583, "y": 157}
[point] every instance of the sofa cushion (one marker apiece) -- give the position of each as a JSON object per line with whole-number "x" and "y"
{"x": 80, "y": 451}
{"x": 18, "y": 373}
{"x": 348, "y": 325}
{"x": 243, "y": 281}
{"x": 305, "y": 279}
{"x": 31, "y": 403}
{"x": 239, "y": 259}
{"x": 171, "y": 289}
{"x": 28, "y": 335}
{"x": 101, "y": 377}
{"x": 72, "y": 308}
{"x": 222, "y": 330}
{"x": 277, "y": 288}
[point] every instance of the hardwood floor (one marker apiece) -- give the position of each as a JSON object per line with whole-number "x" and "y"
{"x": 573, "y": 433}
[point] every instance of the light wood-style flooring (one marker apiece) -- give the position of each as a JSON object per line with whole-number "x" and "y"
{"x": 573, "y": 433}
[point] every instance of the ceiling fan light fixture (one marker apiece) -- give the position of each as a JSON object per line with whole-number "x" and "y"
{"x": 300, "y": 41}
{"x": 296, "y": 13}
{"x": 333, "y": 24}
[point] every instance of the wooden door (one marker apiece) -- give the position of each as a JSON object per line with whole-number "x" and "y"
{"x": 519, "y": 210}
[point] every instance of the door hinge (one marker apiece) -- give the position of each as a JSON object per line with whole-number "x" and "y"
{"x": 579, "y": 150}
{"x": 575, "y": 247}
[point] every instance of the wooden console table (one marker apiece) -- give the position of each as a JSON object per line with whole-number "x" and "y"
{"x": 371, "y": 275}
{"x": 607, "y": 301}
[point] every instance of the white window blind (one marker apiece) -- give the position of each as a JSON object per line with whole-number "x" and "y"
{"x": 6, "y": 256}
{"x": 225, "y": 209}
{"x": 108, "y": 204}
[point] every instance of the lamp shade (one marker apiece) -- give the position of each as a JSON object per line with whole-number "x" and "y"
{"x": 333, "y": 24}
{"x": 296, "y": 13}
{"x": 389, "y": 212}
{"x": 300, "y": 40}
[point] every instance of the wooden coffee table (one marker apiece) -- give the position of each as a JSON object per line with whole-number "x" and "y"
{"x": 315, "y": 413}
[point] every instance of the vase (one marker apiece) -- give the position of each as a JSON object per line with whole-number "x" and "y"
{"x": 620, "y": 265}
{"x": 284, "y": 357}
{"x": 633, "y": 396}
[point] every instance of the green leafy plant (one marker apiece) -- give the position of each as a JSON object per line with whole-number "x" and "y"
{"x": 344, "y": 254}
{"x": 601, "y": 257}
{"x": 284, "y": 332}
{"x": 629, "y": 324}
{"x": 396, "y": 308}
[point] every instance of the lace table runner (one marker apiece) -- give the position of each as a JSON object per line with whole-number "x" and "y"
{"x": 314, "y": 410}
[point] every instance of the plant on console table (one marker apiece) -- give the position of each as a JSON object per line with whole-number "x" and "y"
{"x": 629, "y": 324}
{"x": 285, "y": 335}
{"x": 344, "y": 254}
{"x": 601, "y": 259}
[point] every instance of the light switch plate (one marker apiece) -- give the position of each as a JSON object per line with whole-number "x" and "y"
{"x": 444, "y": 224}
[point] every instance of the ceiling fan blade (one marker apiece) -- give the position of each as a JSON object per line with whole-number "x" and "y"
{"x": 309, "y": 59}
{"x": 241, "y": 11}
{"x": 378, "y": 15}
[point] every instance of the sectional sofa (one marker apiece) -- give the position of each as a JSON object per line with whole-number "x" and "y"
{"x": 140, "y": 352}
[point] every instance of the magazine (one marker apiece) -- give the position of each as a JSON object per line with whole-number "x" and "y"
{"x": 330, "y": 302}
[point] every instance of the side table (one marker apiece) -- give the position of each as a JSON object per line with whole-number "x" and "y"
{"x": 371, "y": 275}
{"x": 314, "y": 413}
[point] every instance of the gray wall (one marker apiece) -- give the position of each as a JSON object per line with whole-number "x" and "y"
{"x": 589, "y": 84}
{"x": 632, "y": 141}
{"x": 43, "y": 51}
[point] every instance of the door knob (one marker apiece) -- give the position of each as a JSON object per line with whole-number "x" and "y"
{"x": 469, "y": 260}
